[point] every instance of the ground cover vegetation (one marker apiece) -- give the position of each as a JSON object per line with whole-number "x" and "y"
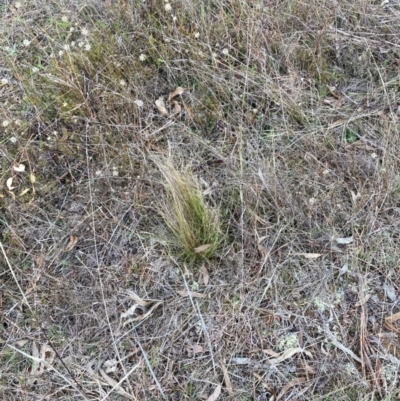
{"x": 199, "y": 200}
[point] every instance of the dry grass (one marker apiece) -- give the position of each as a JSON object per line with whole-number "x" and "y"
{"x": 285, "y": 139}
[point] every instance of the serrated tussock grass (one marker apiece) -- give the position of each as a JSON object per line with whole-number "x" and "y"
{"x": 194, "y": 225}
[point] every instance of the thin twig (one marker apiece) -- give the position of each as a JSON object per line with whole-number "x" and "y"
{"x": 339, "y": 345}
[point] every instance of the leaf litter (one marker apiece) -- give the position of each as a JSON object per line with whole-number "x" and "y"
{"x": 178, "y": 91}
{"x": 19, "y": 168}
{"x": 344, "y": 241}
{"x": 9, "y": 184}
{"x": 192, "y": 294}
{"x": 204, "y": 272}
{"x": 73, "y": 240}
{"x": 161, "y": 106}
{"x": 176, "y": 106}
{"x": 214, "y": 396}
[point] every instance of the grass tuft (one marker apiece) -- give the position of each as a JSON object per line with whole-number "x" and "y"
{"x": 195, "y": 225}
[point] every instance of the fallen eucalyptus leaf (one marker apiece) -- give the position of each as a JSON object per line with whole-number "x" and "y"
{"x": 177, "y": 108}
{"x": 390, "y": 320}
{"x": 206, "y": 276}
{"x": 115, "y": 385}
{"x": 215, "y": 394}
{"x": 136, "y": 298}
{"x": 390, "y": 292}
{"x": 339, "y": 345}
{"x": 241, "y": 361}
{"x": 202, "y": 248}
{"x": 344, "y": 241}
{"x": 178, "y": 91}
{"x": 288, "y": 354}
{"x": 9, "y": 184}
{"x": 355, "y": 196}
{"x": 110, "y": 365}
{"x": 129, "y": 312}
{"x": 161, "y": 106}
{"x": 189, "y": 111}
{"x": 194, "y": 348}
{"x": 310, "y": 255}
{"x": 48, "y": 355}
{"x": 363, "y": 300}
{"x": 344, "y": 269}
{"x": 288, "y": 386}
{"x": 228, "y": 383}
{"x": 73, "y": 239}
{"x": 19, "y": 168}
{"x": 271, "y": 352}
{"x": 193, "y": 294}
{"x": 35, "y": 363}
{"x": 146, "y": 315}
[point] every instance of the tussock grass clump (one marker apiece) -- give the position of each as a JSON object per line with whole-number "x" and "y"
{"x": 195, "y": 226}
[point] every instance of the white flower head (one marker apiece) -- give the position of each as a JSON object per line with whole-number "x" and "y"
{"x": 197, "y": 35}
{"x": 66, "y": 47}
{"x": 60, "y": 53}
{"x": 139, "y": 103}
{"x": 142, "y": 57}
{"x": 17, "y": 5}
{"x": 225, "y": 51}
{"x": 122, "y": 82}
{"x": 87, "y": 47}
{"x": 13, "y": 139}
{"x": 5, "y": 123}
{"x": 84, "y": 32}
{"x": 168, "y": 7}
{"x": 4, "y": 81}
{"x": 80, "y": 44}
{"x": 174, "y": 18}
{"x": 26, "y": 42}
{"x": 64, "y": 18}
